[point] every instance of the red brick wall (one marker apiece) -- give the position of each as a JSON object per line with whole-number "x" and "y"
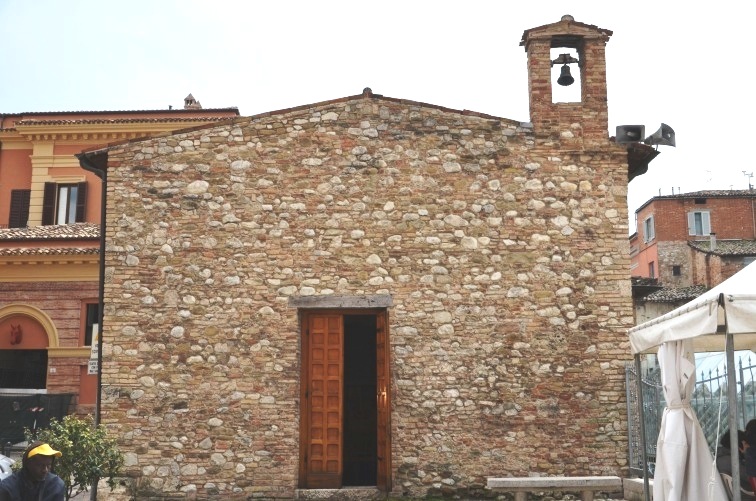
{"x": 61, "y": 302}
{"x": 731, "y": 218}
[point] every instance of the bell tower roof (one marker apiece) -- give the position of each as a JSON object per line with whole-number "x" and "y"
{"x": 563, "y": 30}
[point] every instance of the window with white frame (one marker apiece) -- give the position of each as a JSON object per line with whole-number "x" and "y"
{"x": 64, "y": 203}
{"x": 648, "y": 229}
{"x": 699, "y": 223}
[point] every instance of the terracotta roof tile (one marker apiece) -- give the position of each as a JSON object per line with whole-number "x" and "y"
{"x": 119, "y": 121}
{"x": 78, "y": 231}
{"x": 46, "y": 251}
{"x": 675, "y": 294}
{"x": 726, "y": 247}
{"x": 713, "y": 193}
{"x": 702, "y": 194}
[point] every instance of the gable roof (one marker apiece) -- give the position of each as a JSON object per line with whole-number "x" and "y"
{"x": 565, "y": 29}
{"x": 366, "y": 94}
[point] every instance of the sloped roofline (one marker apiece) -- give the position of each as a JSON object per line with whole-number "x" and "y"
{"x": 367, "y": 93}
{"x": 568, "y": 26}
{"x": 67, "y": 117}
{"x": 701, "y": 194}
{"x": 120, "y": 112}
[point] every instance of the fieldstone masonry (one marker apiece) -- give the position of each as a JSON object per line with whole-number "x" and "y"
{"x": 504, "y": 254}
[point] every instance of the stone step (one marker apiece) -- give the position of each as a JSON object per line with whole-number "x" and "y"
{"x": 344, "y": 494}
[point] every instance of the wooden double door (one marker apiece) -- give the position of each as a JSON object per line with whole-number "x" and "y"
{"x": 345, "y": 425}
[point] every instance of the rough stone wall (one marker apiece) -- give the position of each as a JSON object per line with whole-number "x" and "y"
{"x": 507, "y": 265}
{"x": 671, "y": 253}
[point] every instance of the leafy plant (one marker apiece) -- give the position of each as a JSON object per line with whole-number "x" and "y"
{"x": 89, "y": 454}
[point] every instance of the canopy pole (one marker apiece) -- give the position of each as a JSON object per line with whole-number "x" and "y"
{"x": 732, "y": 415}
{"x": 642, "y": 426}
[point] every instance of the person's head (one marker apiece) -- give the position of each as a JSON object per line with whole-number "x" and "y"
{"x": 742, "y": 442}
{"x": 724, "y": 440}
{"x": 750, "y": 426}
{"x": 750, "y": 434}
{"x": 38, "y": 459}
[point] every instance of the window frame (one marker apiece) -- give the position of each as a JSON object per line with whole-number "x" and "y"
{"x": 649, "y": 229}
{"x": 52, "y": 199}
{"x": 705, "y": 220}
{"x": 90, "y": 315}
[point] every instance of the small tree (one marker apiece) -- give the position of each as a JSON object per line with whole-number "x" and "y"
{"x": 88, "y": 453}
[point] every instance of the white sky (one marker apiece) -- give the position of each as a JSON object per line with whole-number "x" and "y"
{"x": 675, "y": 62}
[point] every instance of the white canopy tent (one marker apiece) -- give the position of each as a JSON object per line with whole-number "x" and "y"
{"x": 722, "y": 319}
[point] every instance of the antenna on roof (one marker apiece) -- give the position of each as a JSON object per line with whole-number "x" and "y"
{"x": 749, "y": 175}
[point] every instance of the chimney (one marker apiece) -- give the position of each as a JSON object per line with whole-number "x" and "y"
{"x": 712, "y": 241}
{"x": 191, "y": 104}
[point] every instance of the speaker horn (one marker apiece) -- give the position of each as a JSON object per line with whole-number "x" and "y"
{"x": 630, "y": 133}
{"x": 665, "y": 136}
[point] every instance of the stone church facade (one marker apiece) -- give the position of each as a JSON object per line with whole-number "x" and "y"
{"x": 371, "y": 291}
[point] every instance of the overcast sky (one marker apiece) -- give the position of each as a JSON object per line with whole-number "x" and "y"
{"x": 667, "y": 61}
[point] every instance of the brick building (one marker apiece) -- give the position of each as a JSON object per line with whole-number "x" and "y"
{"x": 50, "y": 212}
{"x": 371, "y": 291}
{"x": 697, "y": 238}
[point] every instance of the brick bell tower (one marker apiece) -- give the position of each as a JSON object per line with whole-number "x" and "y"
{"x": 582, "y": 124}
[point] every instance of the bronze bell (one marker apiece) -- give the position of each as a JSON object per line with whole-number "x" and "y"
{"x": 565, "y": 78}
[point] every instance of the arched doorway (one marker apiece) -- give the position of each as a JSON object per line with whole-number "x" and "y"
{"x": 24, "y": 342}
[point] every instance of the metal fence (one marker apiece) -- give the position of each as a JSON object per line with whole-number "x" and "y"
{"x": 29, "y": 411}
{"x": 709, "y": 401}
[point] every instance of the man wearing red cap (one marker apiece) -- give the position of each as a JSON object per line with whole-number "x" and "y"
{"x": 35, "y": 480}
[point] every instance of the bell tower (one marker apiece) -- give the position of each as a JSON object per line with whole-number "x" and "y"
{"x": 582, "y": 123}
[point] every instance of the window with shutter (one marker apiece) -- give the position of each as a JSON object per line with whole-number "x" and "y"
{"x": 81, "y": 202}
{"x": 699, "y": 223}
{"x": 705, "y": 223}
{"x": 648, "y": 229}
{"x": 64, "y": 203}
{"x": 48, "y": 204}
{"x": 19, "y": 208}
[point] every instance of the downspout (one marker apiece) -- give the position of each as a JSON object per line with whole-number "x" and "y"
{"x": 96, "y": 162}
